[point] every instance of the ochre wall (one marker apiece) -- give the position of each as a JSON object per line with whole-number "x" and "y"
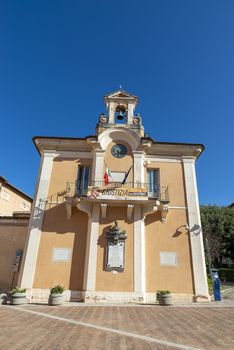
{"x": 64, "y": 171}
{"x": 59, "y": 232}
{"x": 168, "y": 237}
{"x": 171, "y": 175}
{"x": 106, "y": 280}
{"x": 12, "y": 237}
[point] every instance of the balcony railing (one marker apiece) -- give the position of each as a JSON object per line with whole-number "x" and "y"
{"x": 75, "y": 189}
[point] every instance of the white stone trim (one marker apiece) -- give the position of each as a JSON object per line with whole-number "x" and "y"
{"x": 119, "y": 133}
{"x": 196, "y": 241}
{"x": 163, "y": 159}
{"x": 103, "y": 296}
{"x": 139, "y": 170}
{"x": 42, "y": 295}
{"x": 91, "y": 250}
{"x": 177, "y": 207}
{"x": 34, "y": 233}
{"x": 73, "y": 154}
{"x": 98, "y": 162}
{"x": 139, "y": 252}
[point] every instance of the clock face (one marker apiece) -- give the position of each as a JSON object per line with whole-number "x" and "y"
{"x": 119, "y": 151}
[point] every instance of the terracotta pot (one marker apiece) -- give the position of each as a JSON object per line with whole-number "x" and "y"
{"x": 56, "y": 299}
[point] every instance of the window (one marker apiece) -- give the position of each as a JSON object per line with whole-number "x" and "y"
{"x": 83, "y": 179}
{"x": 153, "y": 182}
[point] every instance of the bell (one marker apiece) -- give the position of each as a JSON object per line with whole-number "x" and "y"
{"x": 120, "y": 116}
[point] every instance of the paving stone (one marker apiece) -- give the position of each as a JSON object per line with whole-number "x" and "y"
{"x": 198, "y": 327}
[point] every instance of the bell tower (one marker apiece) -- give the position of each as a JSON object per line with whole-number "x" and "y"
{"x": 120, "y": 107}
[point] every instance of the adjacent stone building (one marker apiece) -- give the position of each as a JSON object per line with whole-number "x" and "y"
{"x": 15, "y": 208}
{"x": 116, "y": 215}
{"x": 12, "y": 199}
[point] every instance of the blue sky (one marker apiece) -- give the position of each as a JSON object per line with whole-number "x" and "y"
{"x": 59, "y": 58}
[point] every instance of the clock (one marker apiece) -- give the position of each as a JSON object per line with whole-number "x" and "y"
{"x": 119, "y": 151}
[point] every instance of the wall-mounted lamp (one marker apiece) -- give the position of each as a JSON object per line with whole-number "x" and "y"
{"x": 195, "y": 229}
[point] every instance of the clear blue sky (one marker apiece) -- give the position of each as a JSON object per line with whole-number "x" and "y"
{"x": 58, "y": 59}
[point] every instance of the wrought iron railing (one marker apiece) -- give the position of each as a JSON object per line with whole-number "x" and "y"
{"x": 75, "y": 189}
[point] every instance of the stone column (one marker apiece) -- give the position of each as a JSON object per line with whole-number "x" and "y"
{"x": 196, "y": 241}
{"x": 34, "y": 233}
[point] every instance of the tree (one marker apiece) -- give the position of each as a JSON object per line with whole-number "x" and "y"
{"x": 218, "y": 230}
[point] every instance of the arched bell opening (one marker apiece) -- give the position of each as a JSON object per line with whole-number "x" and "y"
{"x": 120, "y": 114}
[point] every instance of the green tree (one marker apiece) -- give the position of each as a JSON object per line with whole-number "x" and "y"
{"x": 218, "y": 230}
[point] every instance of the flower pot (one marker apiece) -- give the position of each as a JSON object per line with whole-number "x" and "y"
{"x": 165, "y": 299}
{"x": 56, "y": 299}
{"x": 18, "y": 298}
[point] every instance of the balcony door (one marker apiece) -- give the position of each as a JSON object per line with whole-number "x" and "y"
{"x": 83, "y": 179}
{"x": 153, "y": 182}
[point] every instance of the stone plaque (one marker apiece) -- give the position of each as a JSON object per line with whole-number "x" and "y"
{"x": 61, "y": 254}
{"x": 168, "y": 259}
{"x": 115, "y": 256}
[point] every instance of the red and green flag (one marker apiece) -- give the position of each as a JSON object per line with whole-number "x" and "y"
{"x": 107, "y": 176}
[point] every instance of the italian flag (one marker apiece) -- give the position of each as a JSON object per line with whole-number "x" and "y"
{"x": 107, "y": 175}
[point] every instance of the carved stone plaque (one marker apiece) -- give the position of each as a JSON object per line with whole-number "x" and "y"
{"x": 168, "y": 259}
{"x": 61, "y": 254}
{"x": 115, "y": 256}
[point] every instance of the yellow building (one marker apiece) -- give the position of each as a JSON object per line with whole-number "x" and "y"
{"x": 12, "y": 199}
{"x": 115, "y": 215}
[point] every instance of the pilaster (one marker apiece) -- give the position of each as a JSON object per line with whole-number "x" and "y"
{"x": 139, "y": 252}
{"x": 34, "y": 233}
{"x": 196, "y": 240}
{"x": 91, "y": 250}
{"x": 97, "y": 172}
{"x": 139, "y": 174}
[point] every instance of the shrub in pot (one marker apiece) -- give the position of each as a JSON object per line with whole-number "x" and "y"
{"x": 18, "y": 296}
{"x": 56, "y": 296}
{"x": 164, "y": 297}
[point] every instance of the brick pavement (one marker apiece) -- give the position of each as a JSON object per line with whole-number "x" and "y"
{"x": 191, "y": 327}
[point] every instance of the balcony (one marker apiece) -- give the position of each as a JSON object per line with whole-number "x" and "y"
{"x": 130, "y": 191}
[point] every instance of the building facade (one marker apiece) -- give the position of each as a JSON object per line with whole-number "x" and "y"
{"x": 115, "y": 215}
{"x": 12, "y": 199}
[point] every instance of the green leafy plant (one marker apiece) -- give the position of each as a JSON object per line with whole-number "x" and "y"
{"x": 57, "y": 290}
{"x": 17, "y": 290}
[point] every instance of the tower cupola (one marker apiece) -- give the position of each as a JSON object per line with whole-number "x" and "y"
{"x": 120, "y": 106}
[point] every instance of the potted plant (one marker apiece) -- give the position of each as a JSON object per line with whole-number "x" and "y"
{"x": 164, "y": 297}
{"x": 18, "y": 296}
{"x": 56, "y": 296}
